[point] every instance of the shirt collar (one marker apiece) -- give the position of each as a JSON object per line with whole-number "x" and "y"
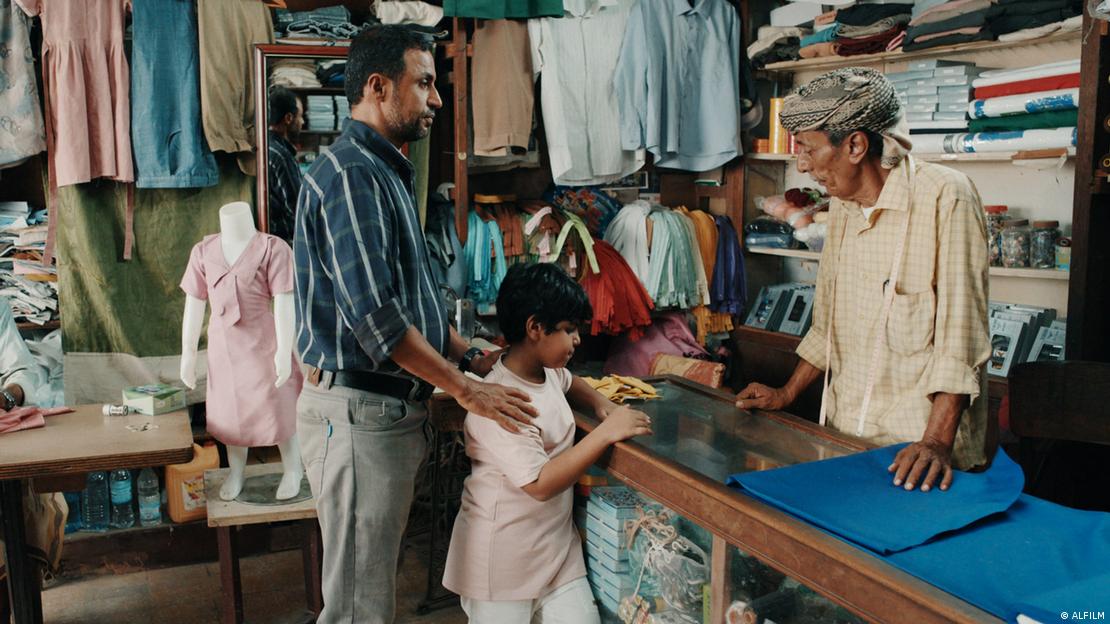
{"x": 586, "y": 8}
{"x": 369, "y": 138}
{"x": 282, "y": 141}
{"x": 895, "y": 187}
{"x": 682, "y": 7}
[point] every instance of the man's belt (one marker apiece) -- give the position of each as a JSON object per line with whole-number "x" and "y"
{"x": 403, "y": 388}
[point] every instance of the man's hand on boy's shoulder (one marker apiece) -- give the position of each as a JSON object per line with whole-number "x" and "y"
{"x": 504, "y": 405}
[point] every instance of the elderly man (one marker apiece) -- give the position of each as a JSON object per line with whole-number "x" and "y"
{"x": 900, "y": 316}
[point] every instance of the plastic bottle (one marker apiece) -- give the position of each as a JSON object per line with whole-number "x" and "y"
{"x": 94, "y": 502}
{"x": 185, "y": 498}
{"x": 150, "y": 498}
{"x": 73, "y": 517}
{"x": 123, "y": 509}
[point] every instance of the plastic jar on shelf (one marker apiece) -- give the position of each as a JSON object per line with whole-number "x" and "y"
{"x": 1063, "y": 254}
{"x": 1015, "y": 243}
{"x": 1042, "y": 244}
{"x": 996, "y": 215}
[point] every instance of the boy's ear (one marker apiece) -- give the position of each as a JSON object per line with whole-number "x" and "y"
{"x": 533, "y": 329}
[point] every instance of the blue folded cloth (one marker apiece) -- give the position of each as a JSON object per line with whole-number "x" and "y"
{"x": 821, "y": 36}
{"x": 853, "y": 497}
{"x": 1035, "y": 555}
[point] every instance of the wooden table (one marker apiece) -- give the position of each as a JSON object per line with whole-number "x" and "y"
{"x": 79, "y": 442}
{"x": 224, "y": 516}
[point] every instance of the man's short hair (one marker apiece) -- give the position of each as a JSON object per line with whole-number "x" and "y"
{"x": 541, "y": 290}
{"x": 380, "y": 50}
{"x": 281, "y": 103}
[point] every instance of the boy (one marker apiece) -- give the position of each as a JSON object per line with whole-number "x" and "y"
{"x": 515, "y": 555}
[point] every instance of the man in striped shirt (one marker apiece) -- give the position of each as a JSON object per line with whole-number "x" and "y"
{"x": 373, "y": 328}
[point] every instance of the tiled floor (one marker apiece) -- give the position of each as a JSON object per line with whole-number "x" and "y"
{"x": 273, "y": 593}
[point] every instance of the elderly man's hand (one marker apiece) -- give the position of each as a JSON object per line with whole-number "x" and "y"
{"x": 759, "y": 396}
{"x": 921, "y": 463}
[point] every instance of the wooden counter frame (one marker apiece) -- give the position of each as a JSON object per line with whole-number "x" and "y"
{"x": 849, "y": 576}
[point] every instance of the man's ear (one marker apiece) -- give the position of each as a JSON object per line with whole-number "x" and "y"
{"x": 858, "y": 144}
{"x": 377, "y": 88}
{"x": 287, "y": 119}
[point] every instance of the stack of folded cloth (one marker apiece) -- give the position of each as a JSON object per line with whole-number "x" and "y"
{"x": 870, "y": 28}
{"x": 342, "y": 108}
{"x": 823, "y": 40}
{"x": 947, "y": 23}
{"x": 293, "y": 73}
{"x": 776, "y": 43}
{"x": 935, "y": 94}
{"x": 1012, "y": 16}
{"x": 320, "y": 113}
{"x": 1044, "y": 96}
{"x": 330, "y": 72}
{"x": 333, "y": 22}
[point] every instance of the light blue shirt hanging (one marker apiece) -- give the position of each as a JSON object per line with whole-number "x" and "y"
{"x": 683, "y": 83}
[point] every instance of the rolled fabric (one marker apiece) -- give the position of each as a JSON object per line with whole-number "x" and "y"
{"x": 979, "y": 142}
{"x": 1003, "y": 76}
{"x": 1032, "y": 121}
{"x": 1060, "y": 99}
{"x": 1051, "y": 83}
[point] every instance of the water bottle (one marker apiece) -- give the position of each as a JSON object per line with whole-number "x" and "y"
{"x": 73, "y": 517}
{"x": 94, "y": 502}
{"x": 150, "y": 499}
{"x": 123, "y": 512}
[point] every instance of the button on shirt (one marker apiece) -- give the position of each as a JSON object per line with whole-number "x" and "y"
{"x": 575, "y": 57}
{"x": 363, "y": 276}
{"x": 678, "y": 83}
{"x": 937, "y": 332}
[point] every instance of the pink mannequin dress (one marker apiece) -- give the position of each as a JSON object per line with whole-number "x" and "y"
{"x": 244, "y": 408}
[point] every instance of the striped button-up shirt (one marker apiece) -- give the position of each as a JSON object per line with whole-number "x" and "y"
{"x": 363, "y": 276}
{"x": 936, "y": 335}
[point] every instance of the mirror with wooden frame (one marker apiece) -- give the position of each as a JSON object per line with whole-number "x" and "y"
{"x": 299, "y": 107}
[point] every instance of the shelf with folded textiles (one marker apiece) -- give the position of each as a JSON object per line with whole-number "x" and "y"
{"x": 1021, "y": 156}
{"x": 834, "y": 62}
{"x": 805, "y": 254}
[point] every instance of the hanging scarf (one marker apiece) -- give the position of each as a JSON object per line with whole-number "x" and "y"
{"x": 708, "y": 321}
{"x": 484, "y": 257}
{"x": 627, "y": 234}
{"x": 728, "y": 292}
{"x": 619, "y": 300}
{"x": 672, "y": 275}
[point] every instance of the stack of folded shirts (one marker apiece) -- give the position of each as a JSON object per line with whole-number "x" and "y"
{"x": 935, "y": 94}
{"x": 293, "y": 73}
{"x": 776, "y": 43}
{"x": 320, "y": 113}
{"x": 870, "y": 28}
{"x": 1011, "y": 16}
{"x": 342, "y": 108}
{"x": 331, "y": 72}
{"x": 947, "y": 23}
{"x": 821, "y": 43}
{"x": 1044, "y": 96}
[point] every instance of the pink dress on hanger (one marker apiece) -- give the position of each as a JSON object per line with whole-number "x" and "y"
{"x": 86, "y": 85}
{"x": 244, "y": 408}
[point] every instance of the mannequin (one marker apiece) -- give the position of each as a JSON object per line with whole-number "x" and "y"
{"x": 237, "y": 233}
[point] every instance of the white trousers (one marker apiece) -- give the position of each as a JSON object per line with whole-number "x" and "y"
{"x": 572, "y": 603}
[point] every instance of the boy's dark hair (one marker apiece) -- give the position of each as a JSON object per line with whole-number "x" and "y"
{"x": 541, "y": 290}
{"x": 380, "y": 50}
{"x": 282, "y": 102}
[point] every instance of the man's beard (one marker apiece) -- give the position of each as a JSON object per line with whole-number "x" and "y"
{"x": 409, "y": 130}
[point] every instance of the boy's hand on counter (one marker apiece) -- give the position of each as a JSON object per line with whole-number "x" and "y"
{"x": 623, "y": 423}
{"x": 759, "y": 396}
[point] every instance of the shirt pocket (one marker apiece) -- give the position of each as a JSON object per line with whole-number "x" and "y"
{"x": 368, "y": 414}
{"x": 910, "y": 327}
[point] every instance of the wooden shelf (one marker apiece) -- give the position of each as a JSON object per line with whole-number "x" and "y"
{"x": 805, "y": 254}
{"x": 318, "y": 90}
{"x": 832, "y": 62}
{"x": 977, "y": 157}
{"x": 49, "y": 325}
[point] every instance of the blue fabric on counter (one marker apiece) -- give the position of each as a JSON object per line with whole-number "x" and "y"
{"x": 1031, "y": 551}
{"x": 831, "y": 494}
{"x": 1089, "y": 595}
{"x": 728, "y": 289}
{"x": 821, "y": 36}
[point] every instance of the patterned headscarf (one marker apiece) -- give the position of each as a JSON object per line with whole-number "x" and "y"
{"x": 846, "y": 100}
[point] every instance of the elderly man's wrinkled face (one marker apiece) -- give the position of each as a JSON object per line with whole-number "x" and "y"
{"x": 834, "y": 167}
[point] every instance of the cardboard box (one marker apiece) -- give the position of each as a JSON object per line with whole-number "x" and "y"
{"x": 154, "y": 399}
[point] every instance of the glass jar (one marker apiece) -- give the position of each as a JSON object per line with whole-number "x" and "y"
{"x": 1042, "y": 244}
{"x": 996, "y": 215}
{"x": 1063, "y": 254}
{"x": 1015, "y": 243}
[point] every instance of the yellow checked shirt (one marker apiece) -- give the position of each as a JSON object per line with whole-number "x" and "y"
{"x": 937, "y": 337}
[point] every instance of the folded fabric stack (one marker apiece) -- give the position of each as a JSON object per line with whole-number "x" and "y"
{"x": 870, "y": 28}
{"x": 320, "y": 113}
{"x": 330, "y": 73}
{"x": 333, "y": 22}
{"x": 821, "y": 43}
{"x": 935, "y": 94}
{"x": 776, "y": 43}
{"x": 947, "y": 23}
{"x": 293, "y": 73}
{"x": 1012, "y": 16}
{"x": 1044, "y": 96}
{"x": 342, "y": 109}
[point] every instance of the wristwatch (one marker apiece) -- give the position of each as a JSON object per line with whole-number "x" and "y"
{"x": 468, "y": 358}
{"x": 9, "y": 399}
